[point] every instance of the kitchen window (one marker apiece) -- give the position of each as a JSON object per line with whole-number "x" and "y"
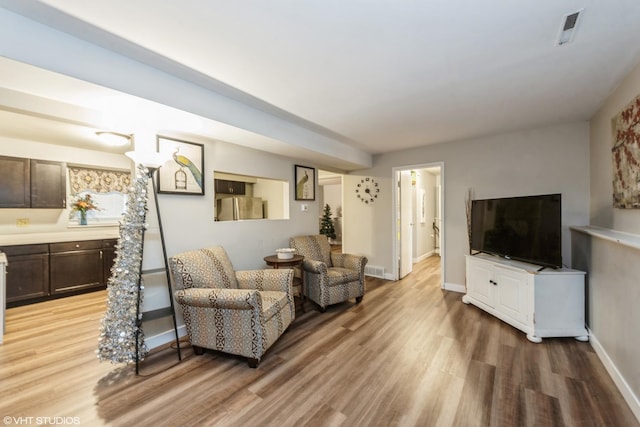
{"x": 108, "y": 189}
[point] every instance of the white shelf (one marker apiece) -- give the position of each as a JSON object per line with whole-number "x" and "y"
{"x": 627, "y": 239}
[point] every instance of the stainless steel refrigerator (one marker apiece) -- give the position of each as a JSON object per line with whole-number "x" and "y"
{"x": 238, "y": 208}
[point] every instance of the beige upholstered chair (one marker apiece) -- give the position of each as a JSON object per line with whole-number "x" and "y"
{"x": 237, "y": 312}
{"x": 329, "y": 277}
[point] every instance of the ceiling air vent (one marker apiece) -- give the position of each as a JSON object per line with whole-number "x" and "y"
{"x": 569, "y": 27}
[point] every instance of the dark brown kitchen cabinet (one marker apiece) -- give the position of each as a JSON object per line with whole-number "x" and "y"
{"x": 46, "y": 271}
{"x": 31, "y": 183}
{"x": 15, "y": 191}
{"x": 225, "y": 186}
{"x": 27, "y": 272}
{"x": 48, "y": 184}
{"x": 76, "y": 266}
{"x": 108, "y": 258}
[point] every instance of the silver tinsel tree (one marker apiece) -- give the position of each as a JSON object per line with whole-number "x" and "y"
{"x": 117, "y": 342}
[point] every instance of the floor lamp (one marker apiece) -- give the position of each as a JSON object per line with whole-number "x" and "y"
{"x": 152, "y": 162}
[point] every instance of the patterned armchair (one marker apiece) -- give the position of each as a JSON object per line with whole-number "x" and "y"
{"x": 329, "y": 277}
{"x": 237, "y": 312}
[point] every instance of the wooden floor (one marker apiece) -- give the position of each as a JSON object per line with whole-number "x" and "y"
{"x": 410, "y": 354}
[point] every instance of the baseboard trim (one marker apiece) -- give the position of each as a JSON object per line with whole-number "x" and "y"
{"x": 455, "y": 287}
{"x": 628, "y": 395}
{"x": 164, "y": 337}
{"x": 423, "y": 257}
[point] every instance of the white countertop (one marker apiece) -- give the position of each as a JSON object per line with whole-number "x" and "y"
{"x": 70, "y": 235}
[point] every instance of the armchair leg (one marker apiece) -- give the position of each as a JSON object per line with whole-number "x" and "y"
{"x": 359, "y": 299}
{"x": 253, "y": 363}
{"x": 199, "y": 351}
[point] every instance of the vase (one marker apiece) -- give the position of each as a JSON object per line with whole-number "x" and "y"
{"x": 83, "y": 218}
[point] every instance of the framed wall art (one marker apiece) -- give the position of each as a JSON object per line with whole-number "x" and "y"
{"x": 305, "y": 183}
{"x": 626, "y": 156}
{"x": 184, "y": 173}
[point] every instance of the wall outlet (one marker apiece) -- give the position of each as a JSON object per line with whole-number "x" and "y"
{"x": 304, "y": 207}
{"x": 22, "y": 222}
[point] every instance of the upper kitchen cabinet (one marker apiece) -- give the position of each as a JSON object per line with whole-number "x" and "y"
{"x": 226, "y": 186}
{"x": 30, "y": 183}
{"x": 15, "y": 191}
{"x": 48, "y": 189}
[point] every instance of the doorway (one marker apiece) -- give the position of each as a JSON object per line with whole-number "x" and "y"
{"x": 330, "y": 193}
{"x": 418, "y": 216}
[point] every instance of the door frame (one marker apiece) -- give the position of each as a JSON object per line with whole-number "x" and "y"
{"x": 395, "y": 243}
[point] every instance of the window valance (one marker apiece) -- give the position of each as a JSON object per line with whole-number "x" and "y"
{"x": 98, "y": 180}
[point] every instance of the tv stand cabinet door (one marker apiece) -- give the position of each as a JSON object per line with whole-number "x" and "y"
{"x": 480, "y": 282}
{"x": 513, "y": 296}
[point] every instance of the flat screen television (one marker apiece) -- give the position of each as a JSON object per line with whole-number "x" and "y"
{"x": 521, "y": 228}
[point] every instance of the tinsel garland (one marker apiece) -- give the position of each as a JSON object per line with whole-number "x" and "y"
{"x": 117, "y": 342}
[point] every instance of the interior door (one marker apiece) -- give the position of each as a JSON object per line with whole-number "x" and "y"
{"x": 406, "y": 224}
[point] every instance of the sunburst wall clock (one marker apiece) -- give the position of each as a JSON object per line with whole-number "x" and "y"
{"x": 367, "y": 190}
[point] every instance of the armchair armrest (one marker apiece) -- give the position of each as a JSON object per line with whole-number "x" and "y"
{"x": 350, "y": 261}
{"x": 266, "y": 280}
{"x": 237, "y": 299}
{"x": 313, "y": 266}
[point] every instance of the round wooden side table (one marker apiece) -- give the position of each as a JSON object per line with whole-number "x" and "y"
{"x": 275, "y": 262}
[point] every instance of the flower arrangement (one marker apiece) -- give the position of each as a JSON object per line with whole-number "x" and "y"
{"x": 83, "y": 205}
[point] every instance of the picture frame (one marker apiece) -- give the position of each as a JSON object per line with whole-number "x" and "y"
{"x": 625, "y": 156}
{"x": 184, "y": 173}
{"x": 305, "y": 181}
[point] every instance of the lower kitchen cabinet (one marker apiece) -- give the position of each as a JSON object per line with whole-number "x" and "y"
{"x": 108, "y": 258}
{"x": 27, "y": 272}
{"x": 75, "y": 266}
{"x": 45, "y": 271}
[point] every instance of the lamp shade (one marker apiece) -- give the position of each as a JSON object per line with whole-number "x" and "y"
{"x": 149, "y": 159}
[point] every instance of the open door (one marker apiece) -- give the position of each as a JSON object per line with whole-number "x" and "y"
{"x": 406, "y": 223}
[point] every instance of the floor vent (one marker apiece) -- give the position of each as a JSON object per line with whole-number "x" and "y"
{"x": 375, "y": 271}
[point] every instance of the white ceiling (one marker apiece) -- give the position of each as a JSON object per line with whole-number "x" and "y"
{"x": 380, "y": 75}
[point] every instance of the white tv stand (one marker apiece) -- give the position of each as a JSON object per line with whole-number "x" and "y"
{"x": 541, "y": 303}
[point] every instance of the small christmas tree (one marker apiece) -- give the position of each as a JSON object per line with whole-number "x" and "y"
{"x": 326, "y": 223}
{"x": 119, "y": 328}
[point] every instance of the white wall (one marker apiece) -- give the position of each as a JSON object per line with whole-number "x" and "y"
{"x": 613, "y": 271}
{"x": 601, "y": 208}
{"x": 546, "y": 160}
{"x": 332, "y": 195}
{"x": 423, "y": 231}
{"x": 274, "y": 192}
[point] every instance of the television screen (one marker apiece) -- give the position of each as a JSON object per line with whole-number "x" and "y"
{"x": 521, "y": 228}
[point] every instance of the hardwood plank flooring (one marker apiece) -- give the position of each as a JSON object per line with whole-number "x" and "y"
{"x": 411, "y": 354}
